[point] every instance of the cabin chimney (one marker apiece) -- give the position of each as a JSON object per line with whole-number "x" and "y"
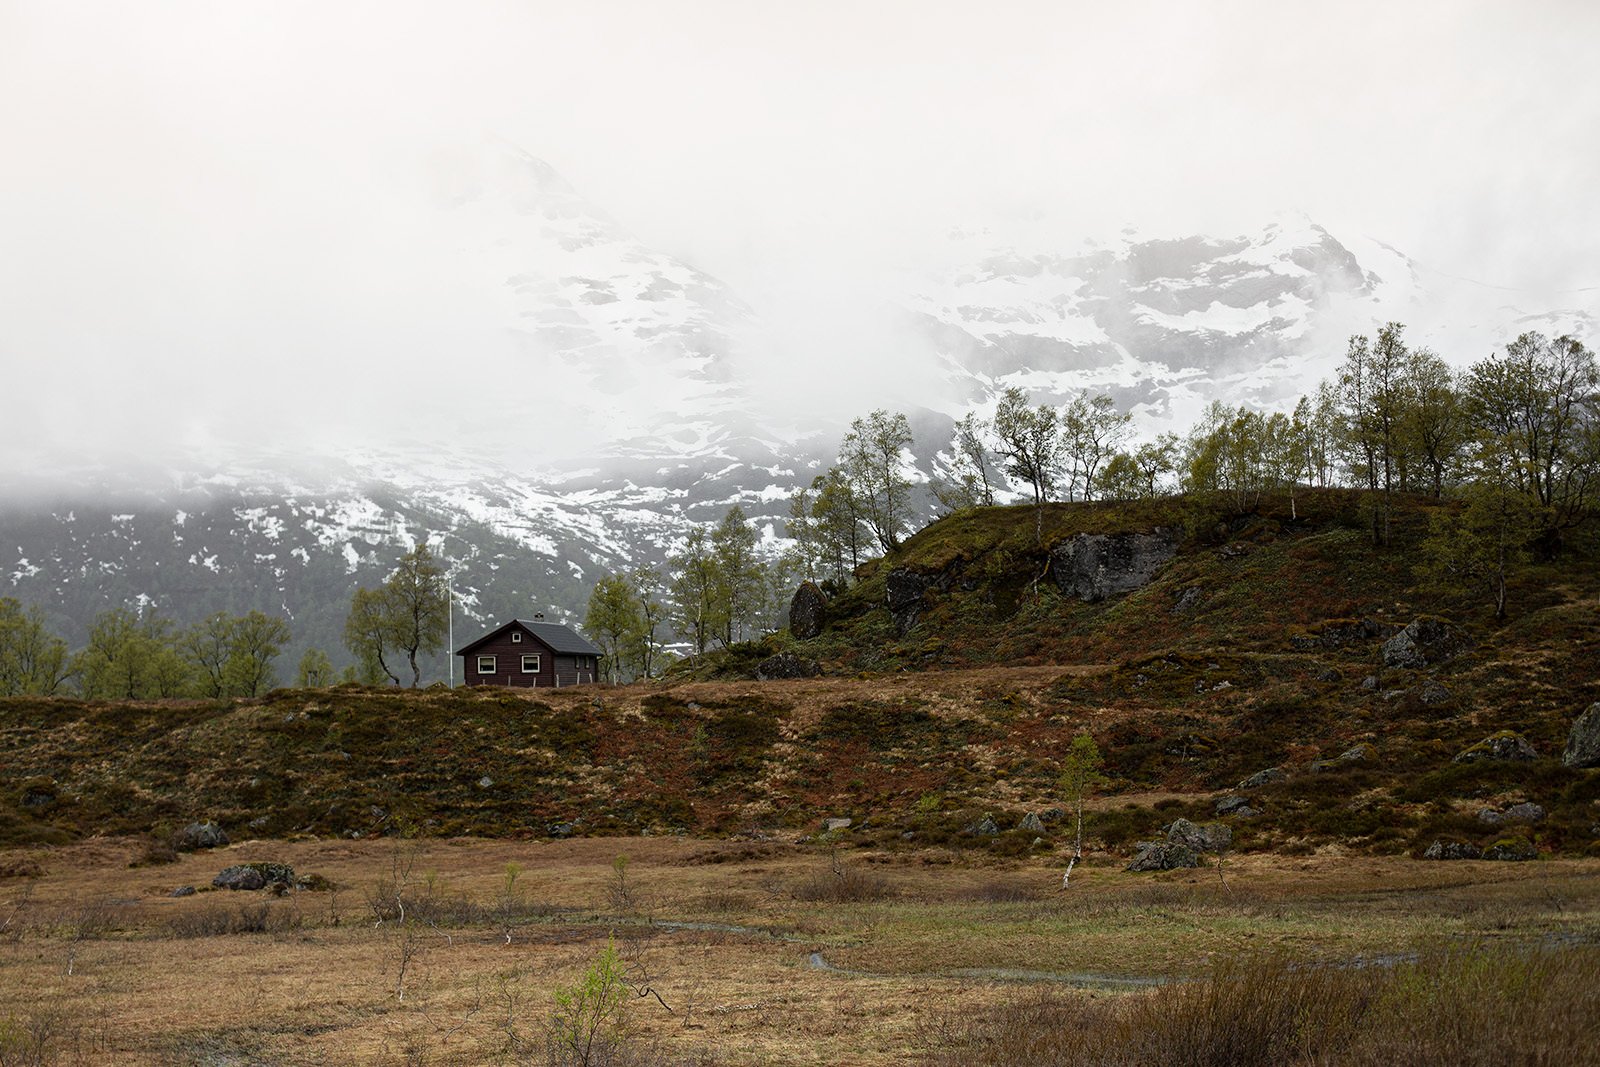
{"x": 538, "y": 616}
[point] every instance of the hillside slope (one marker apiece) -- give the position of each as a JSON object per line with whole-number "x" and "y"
{"x": 922, "y": 734}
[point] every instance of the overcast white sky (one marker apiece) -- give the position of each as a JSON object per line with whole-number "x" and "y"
{"x": 204, "y": 225}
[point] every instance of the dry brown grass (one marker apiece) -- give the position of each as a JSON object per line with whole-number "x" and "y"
{"x": 312, "y": 978}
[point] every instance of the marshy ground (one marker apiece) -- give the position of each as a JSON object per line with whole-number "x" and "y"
{"x": 764, "y": 951}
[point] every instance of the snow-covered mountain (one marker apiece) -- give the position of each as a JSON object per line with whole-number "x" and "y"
{"x": 1167, "y": 325}
{"x": 598, "y": 330}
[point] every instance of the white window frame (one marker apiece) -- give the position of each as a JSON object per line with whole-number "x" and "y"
{"x": 516, "y": 637}
{"x": 536, "y": 663}
{"x": 486, "y": 659}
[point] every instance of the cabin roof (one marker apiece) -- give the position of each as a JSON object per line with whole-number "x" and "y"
{"x": 559, "y": 638}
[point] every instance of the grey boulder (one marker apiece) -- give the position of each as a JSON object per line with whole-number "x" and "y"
{"x": 1525, "y": 812}
{"x": 1452, "y": 850}
{"x": 1261, "y": 778}
{"x": 199, "y": 835}
{"x": 1163, "y": 856}
{"x": 1583, "y": 742}
{"x": 1426, "y": 640}
{"x": 1212, "y": 837}
{"x": 808, "y": 611}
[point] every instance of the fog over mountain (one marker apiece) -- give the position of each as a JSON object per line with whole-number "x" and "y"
{"x": 289, "y": 288}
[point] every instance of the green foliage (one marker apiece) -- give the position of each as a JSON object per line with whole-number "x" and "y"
{"x": 1029, "y": 444}
{"x": 873, "y": 458}
{"x": 32, "y": 660}
{"x": 131, "y": 657}
{"x": 1484, "y": 543}
{"x": 589, "y": 1022}
{"x": 315, "y": 670}
{"x": 407, "y": 616}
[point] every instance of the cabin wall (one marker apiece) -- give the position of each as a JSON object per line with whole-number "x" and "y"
{"x": 508, "y": 663}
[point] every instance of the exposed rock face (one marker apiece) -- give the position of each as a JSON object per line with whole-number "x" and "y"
{"x": 1526, "y": 812}
{"x": 1452, "y": 850}
{"x": 1213, "y": 837}
{"x": 1093, "y": 567}
{"x": 1583, "y": 743}
{"x": 984, "y": 827}
{"x": 1163, "y": 856}
{"x": 808, "y": 611}
{"x": 1261, "y": 778}
{"x": 1188, "y": 601}
{"x": 199, "y": 835}
{"x": 1426, "y": 640}
{"x": 903, "y": 592}
{"x": 831, "y": 825}
{"x": 1505, "y": 745}
{"x": 1031, "y": 823}
{"x": 786, "y": 665}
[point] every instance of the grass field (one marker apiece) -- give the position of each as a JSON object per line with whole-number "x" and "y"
{"x": 764, "y": 951}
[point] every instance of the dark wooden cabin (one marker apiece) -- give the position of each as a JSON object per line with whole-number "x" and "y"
{"x": 542, "y": 654}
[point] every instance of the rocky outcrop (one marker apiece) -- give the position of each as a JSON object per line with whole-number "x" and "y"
{"x": 1236, "y": 806}
{"x": 255, "y": 876}
{"x": 808, "y": 611}
{"x": 1212, "y": 837}
{"x": 1261, "y": 778}
{"x": 1507, "y": 745}
{"x": 786, "y": 665}
{"x": 1094, "y": 567}
{"x": 984, "y": 827}
{"x": 1336, "y": 634}
{"x": 1452, "y": 850}
{"x": 198, "y": 835}
{"x": 1163, "y": 856}
{"x": 1031, "y": 823}
{"x": 1583, "y": 742}
{"x": 1512, "y": 850}
{"x": 903, "y": 591}
{"x": 1525, "y": 812}
{"x": 1425, "y": 641}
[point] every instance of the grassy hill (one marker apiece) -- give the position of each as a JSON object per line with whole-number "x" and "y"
{"x": 923, "y": 733}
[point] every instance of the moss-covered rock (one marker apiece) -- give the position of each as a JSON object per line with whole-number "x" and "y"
{"x": 1505, "y": 745}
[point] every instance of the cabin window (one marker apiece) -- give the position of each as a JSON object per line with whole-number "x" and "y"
{"x": 516, "y": 637}
{"x": 530, "y": 664}
{"x": 485, "y": 664}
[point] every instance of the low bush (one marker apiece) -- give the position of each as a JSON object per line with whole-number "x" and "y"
{"x": 257, "y": 918}
{"x": 843, "y": 885}
{"x": 1482, "y": 1006}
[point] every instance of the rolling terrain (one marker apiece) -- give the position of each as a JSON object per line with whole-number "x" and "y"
{"x": 1257, "y": 645}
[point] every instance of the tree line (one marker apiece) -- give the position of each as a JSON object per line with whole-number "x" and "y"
{"x": 1513, "y": 440}
{"x": 143, "y": 655}
{"x": 133, "y": 655}
{"x": 721, "y": 588}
